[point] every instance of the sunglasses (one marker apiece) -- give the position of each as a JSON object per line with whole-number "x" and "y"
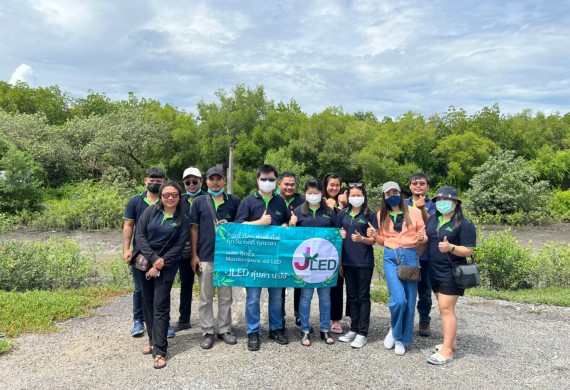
{"x": 270, "y": 179}
{"x": 173, "y": 195}
{"x": 191, "y": 182}
{"x": 356, "y": 185}
{"x": 418, "y": 183}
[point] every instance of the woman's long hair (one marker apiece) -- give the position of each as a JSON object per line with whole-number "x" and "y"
{"x": 171, "y": 183}
{"x": 316, "y": 184}
{"x": 364, "y": 208}
{"x": 385, "y": 208}
{"x": 328, "y": 177}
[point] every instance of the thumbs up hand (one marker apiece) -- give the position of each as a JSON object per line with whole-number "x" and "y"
{"x": 444, "y": 245}
{"x": 293, "y": 220}
{"x": 343, "y": 233}
{"x": 371, "y": 232}
{"x": 265, "y": 219}
{"x": 357, "y": 237}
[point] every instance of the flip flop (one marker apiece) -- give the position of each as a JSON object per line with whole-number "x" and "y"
{"x": 438, "y": 360}
{"x": 157, "y": 360}
{"x": 336, "y": 328}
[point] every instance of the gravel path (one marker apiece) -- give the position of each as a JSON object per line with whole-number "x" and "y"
{"x": 502, "y": 344}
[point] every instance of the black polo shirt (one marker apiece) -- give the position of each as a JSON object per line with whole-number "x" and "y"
{"x": 254, "y": 205}
{"x": 295, "y": 201}
{"x": 186, "y": 202}
{"x": 135, "y": 207}
{"x": 202, "y": 216}
{"x": 464, "y": 235}
{"x": 316, "y": 218}
{"x": 356, "y": 254}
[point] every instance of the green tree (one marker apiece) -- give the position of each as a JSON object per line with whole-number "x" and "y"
{"x": 21, "y": 186}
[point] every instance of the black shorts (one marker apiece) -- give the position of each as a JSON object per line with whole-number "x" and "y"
{"x": 446, "y": 287}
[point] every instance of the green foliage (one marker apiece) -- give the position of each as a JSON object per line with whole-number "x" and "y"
{"x": 504, "y": 263}
{"x": 506, "y": 186}
{"x": 120, "y": 274}
{"x": 21, "y": 188}
{"x": 558, "y": 296}
{"x": 553, "y": 265}
{"x": 560, "y": 205}
{"x": 43, "y": 265}
{"x": 86, "y": 205}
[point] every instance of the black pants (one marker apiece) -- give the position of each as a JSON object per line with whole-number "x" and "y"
{"x": 337, "y": 295}
{"x": 296, "y": 300}
{"x": 186, "y": 283}
{"x": 358, "y": 281}
{"x": 156, "y": 308}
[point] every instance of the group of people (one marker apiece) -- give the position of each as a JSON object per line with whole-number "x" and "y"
{"x": 176, "y": 230}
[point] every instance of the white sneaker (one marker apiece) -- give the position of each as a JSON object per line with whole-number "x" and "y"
{"x": 399, "y": 349}
{"x": 350, "y": 336}
{"x": 389, "y": 340}
{"x": 359, "y": 342}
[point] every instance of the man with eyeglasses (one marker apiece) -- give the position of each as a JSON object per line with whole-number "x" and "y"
{"x": 134, "y": 209}
{"x": 192, "y": 178}
{"x": 264, "y": 207}
{"x": 287, "y": 183}
{"x": 419, "y": 186}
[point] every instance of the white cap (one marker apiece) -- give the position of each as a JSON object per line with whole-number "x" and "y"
{"x": 390, "y": 185}
{"x": 192, "y": 171}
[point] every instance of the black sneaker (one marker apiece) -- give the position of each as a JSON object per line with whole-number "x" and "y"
{"x": 253, "y": 342}
{"x": 178, "y": 326}
{"x": 207, "y": 342}
{"x": 228, "y": 338}
{"x": 279, "y": 336}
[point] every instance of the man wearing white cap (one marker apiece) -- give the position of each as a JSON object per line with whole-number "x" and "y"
{"x": 192, "y": 178}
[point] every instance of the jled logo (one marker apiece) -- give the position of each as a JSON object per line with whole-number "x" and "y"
{"x": 315, "y": 260}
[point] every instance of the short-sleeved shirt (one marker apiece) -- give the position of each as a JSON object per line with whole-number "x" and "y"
{"x": 202, "y": 216}
{"x": 186, "y": 202}
{"x": 431, "y": 209}
{"x": 295, "y": 201}
{"x": 356, "y": 254}
{"x": 135, "y": 207}
{"x": 320, "y": 217}
{"x": 464, "y": 235}
{"x": 253, "y": 206}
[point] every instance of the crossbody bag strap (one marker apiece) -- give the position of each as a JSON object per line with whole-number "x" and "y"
{"x": 210, "y": 202}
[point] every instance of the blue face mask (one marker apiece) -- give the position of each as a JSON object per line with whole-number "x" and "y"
{"x": 394, "y": 200}
{"x": 215, "y": 193}
{"x": 444, "y": 206}
{"x": 194, "y": 194}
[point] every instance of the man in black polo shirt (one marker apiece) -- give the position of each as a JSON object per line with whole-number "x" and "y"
{"x": 263, "y": 207}
{"x": 287, "y": 183}
{"x": 192, "y": 178}
{"x": 135, "y": 207}
{"x": 207, "y": 212}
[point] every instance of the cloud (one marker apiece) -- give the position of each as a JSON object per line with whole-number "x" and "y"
{"x": 26, "y": 74}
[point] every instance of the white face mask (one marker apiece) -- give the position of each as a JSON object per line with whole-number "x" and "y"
{"x": 313, "y": 199}
{"x": 356, "y": 201}
{"x": 266, "y": 186}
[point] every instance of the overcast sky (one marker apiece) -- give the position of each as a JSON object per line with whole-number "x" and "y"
{"x": 387, "y": 57}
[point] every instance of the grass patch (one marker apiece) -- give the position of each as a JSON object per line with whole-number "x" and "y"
{"x": 379, "y": 292}
{"x": 557, "y": 296}
{"x": 37, "y": 311}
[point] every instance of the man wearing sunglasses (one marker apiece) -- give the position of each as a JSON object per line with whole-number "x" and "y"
{"x": 192, "y": 179}
{"x": 264, "y": 207}
{"x": 419, "y": 186}
{"x": 134, "y": 209}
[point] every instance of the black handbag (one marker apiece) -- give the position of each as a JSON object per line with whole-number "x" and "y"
{"x": 465, "y": 275}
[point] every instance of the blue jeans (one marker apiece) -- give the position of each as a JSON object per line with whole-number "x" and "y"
{"x": 324, "y": 308}
{"x": 402, "y": 294}
{"x": 252, "y": 310}
{"x": 424, "y": 293}
{"x": 137, "y": 296}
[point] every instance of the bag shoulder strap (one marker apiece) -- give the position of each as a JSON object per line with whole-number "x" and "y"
{"x": 210, "y": 203}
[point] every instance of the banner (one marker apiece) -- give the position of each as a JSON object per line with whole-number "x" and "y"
{"x": 273, "y": 256}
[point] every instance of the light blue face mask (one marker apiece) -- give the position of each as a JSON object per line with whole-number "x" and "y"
{"x": 193, "y": 194}
{"x": 444, "y": 206}
{"x": 215, "y": 193}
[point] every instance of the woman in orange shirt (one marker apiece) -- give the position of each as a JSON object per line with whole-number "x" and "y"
{"x": 400, "y": 229}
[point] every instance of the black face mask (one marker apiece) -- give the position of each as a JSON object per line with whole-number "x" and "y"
{"x": 153, "y": 187}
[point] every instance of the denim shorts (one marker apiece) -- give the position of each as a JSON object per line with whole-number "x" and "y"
{"x": 446, "y": 287}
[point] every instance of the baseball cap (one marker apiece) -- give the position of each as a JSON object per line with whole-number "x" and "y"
{"x": 192, "y": 171}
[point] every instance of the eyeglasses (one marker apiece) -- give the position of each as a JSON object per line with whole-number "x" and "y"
{"x": 356, "y": 185}
{"x": 418, "y": 183}
{"x": 173, "y": 195}
{"x": 270, "y": 179}
{"x": 191, "y": 182}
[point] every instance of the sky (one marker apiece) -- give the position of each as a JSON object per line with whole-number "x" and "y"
{"x": 387, "y": 57}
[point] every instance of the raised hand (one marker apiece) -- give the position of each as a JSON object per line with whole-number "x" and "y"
{"x": 371, "y": 232}
{"x": 343, "y": 233}
{"x": 265, "y": 219}
{"x": 293, "y": 220}
{"x": 444, "y": 245}
{"x": 357, "y": 237}
{"x": 421, "y": 202}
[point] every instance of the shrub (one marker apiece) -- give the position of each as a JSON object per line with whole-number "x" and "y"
{"x": 21, "y": 185}
{"x": 45, "y": 265}
{"x": 506, "y": 188}
{"x": 560, "y": 205}
{"x": 553, "y": 265}
{"x": 503, "y": 263}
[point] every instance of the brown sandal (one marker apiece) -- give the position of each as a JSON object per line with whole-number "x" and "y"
{"x": 147, "y": 350}
{"x": 159, "y": 362}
